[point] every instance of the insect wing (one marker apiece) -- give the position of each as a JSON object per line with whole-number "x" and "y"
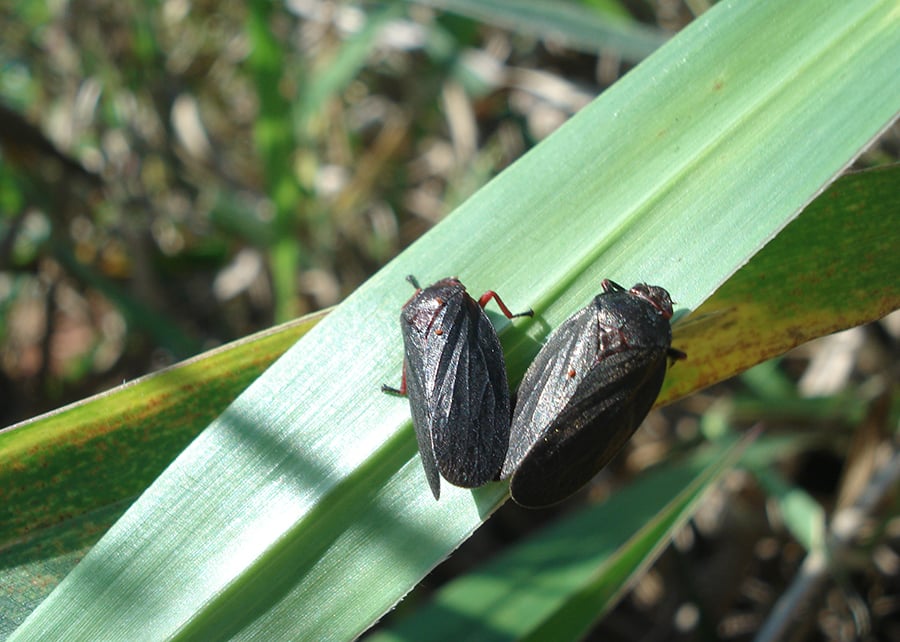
{"x": 609, "y": 404}
{"x": 547, "y": 387}
{"x": 422, "y": 322}
{"x": 470, "y": 432}
{"x": 457, "y": 387}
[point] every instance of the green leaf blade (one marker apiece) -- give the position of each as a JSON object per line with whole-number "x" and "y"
{"x": 560, "y": 580}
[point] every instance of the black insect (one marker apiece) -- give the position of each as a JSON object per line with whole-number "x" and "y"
{"x": 587, "y": 391}
{"x": 455, "y": 377}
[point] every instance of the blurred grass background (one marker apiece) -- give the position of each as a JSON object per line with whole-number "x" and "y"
{"x": 175, "y": 175}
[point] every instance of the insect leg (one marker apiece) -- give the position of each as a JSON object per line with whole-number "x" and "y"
{"x": 401, "y": 391}
{"x": 490, "y": 294}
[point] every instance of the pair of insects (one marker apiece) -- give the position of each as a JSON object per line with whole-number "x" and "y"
{"x": 579, "y": 402}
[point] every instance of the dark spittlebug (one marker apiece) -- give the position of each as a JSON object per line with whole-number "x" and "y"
{"x": 455, "y": 377}
{"x": 587, "y": 391}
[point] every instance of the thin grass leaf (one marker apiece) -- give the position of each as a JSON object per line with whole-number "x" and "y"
{"x": 327, "y": 80}
{"x": 276, "y": 143}
{"x": 575, "y": 25}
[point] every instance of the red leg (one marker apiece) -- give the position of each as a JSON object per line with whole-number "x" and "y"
{"x": 490, "y": 294}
